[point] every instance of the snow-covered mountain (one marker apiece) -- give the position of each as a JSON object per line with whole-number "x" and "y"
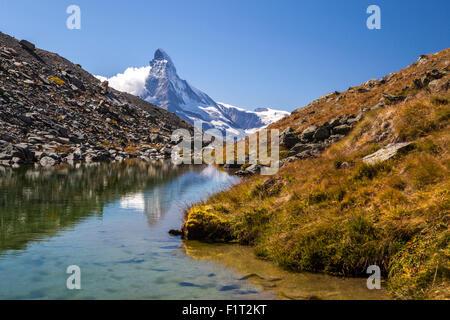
{"x": 251, "y": 121}
{"x": 160, "y": 84}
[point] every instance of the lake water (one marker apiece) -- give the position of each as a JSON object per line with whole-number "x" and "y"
{"x": 112, "y": 220}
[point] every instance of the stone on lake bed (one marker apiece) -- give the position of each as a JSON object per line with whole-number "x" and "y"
{"x": 175, "y": 233}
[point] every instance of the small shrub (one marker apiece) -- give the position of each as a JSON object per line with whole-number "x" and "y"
{"x": 428, "y": 146}
{"x": 397, "y": 182}
{"x": 317, "y": 197}
{"x": 269, "y": 188}
{"x": 370, "y": 171}
{"x": 415, "y": 121}
{"x": 438, "y": 101}
{"x": 420, "y": 267}
{"x": 442, "y": 114}
{"x": 220, "y": 208}
{"x": 367, "y": 151}
{"x": 259, "y": 190}
{"x": 393, "y": 197}
{"x": 424, "y": 170}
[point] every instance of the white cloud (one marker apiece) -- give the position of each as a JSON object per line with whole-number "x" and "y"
{"x": 101, "y": 78}
{"x": 131, "y": 81}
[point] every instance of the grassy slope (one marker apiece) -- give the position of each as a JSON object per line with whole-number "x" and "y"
{"x": 317, "y": 216}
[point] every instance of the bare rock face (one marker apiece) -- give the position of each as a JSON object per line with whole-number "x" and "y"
{"x": 440, "y": 85}
{"x": 392, "y": 98}
{"x": 431, "y": 80}
{"x": 315, "y": 139}
{"x": 105, "y": 86}
{"x": 423, "y": 58}
{"x": 388, "y": 152}
{"x": 342, "y": 129}
{"x": 289, "y": 138}
{"x": 308, "y": 133}
{"x": 321, "y": 133}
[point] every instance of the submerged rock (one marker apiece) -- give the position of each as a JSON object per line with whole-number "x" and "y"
{"x": 175, "y": 233}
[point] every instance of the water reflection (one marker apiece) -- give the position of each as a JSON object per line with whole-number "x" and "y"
{"x": 155, "y": 201}
{"x": 37, "y": 203}
{"x": 112, "y": 221}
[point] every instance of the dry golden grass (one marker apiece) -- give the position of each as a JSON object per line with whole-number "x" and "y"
{"x": 326, "y": 108}
{"x": 314, "y": 216}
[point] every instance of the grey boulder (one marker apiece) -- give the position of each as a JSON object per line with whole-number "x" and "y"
{"x": 387, "y": 152}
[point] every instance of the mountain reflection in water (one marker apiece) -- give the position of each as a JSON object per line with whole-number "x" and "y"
{"x": 111, "y": 220}
{"x": 37, "y": 203}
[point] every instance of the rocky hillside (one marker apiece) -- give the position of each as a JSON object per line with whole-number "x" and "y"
{"x": 365, "y": 181}
{"x": 308, "y": 131}
{"x": 428, "y": 75}
{"x": 52, "y": 111}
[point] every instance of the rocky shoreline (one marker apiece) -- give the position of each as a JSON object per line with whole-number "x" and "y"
{"x": 15, "y": 155}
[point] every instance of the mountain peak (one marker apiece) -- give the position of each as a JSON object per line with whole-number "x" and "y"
{"x": 160, "y": 54}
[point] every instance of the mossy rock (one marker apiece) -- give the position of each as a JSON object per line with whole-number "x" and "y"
{"x": 203, "y": 224}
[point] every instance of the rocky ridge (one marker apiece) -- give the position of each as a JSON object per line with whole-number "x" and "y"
{"x": 52, "y": 112}
{"x": 309, "y": 131}
{"x": 429, "y": 74}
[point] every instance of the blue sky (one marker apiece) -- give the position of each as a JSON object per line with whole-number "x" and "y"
{"x": 249, "y": 53}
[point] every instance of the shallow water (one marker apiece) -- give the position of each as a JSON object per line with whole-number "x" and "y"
{"x": 282, "y": 284}
{"x": 112, "y": 221}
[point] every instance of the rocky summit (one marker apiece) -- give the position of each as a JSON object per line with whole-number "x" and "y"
{"x": 164, "y": 87}
{"x": 52, "y": 111}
